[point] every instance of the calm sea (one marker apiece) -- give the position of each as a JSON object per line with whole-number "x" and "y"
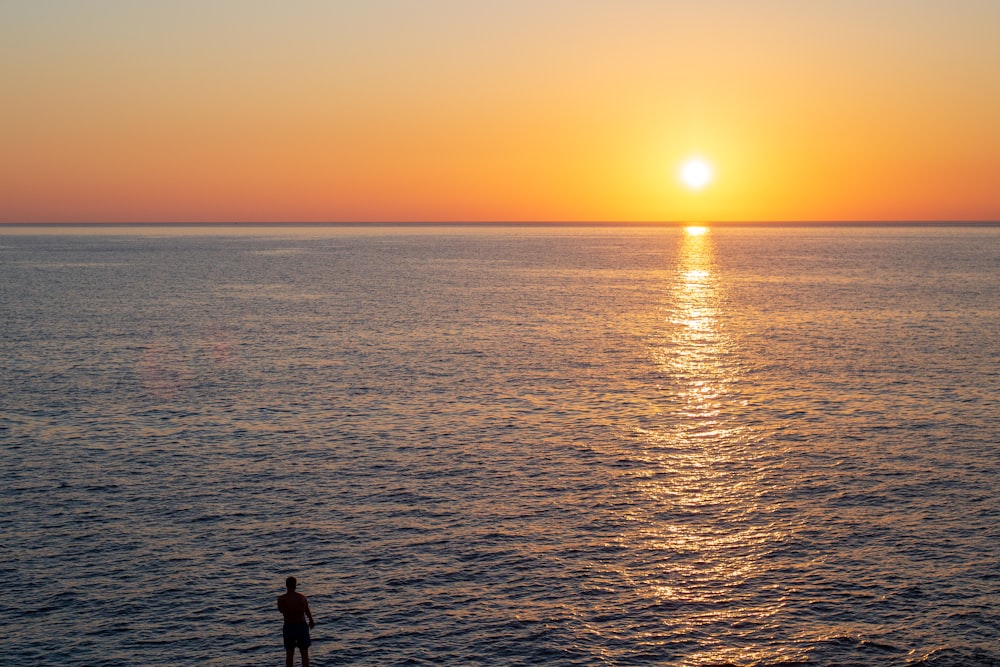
{"x": 501, "y": 445}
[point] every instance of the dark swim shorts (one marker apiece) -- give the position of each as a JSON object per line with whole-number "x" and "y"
{"x": 296, "y": 634}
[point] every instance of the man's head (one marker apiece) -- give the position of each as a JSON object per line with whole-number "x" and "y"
{"x": 291, "y": 583}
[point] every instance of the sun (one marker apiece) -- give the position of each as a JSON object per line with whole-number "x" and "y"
{"x": 696, "y": 173}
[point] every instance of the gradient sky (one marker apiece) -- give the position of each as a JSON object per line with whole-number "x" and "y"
{"x": 449, "y": 110}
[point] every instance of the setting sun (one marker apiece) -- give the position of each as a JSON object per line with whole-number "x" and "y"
{"x": 696, "y": 173}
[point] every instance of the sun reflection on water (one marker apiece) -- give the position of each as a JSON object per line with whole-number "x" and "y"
{"x": 695, "y": 354}
{"x": 700, "y": 534}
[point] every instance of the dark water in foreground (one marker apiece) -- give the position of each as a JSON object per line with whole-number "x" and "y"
{"x": 503, "y": 446}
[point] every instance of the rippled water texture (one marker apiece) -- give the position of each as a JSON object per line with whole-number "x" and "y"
{"x": 502, "y": 446}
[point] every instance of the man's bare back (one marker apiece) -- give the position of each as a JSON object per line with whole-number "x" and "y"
{"x": 294, "y": 607}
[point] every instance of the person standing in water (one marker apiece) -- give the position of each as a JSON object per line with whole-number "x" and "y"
{"x": 295, "y": 609}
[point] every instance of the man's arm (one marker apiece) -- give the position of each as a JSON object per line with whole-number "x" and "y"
{"x": 305, "y": 602}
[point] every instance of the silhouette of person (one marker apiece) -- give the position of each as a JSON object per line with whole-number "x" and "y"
{"x": 294, "y": 607}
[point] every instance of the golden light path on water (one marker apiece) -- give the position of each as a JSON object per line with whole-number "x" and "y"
{"x": 704, "y": 533}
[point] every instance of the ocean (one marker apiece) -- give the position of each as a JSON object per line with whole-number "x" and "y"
{"x": 501, "y": 445}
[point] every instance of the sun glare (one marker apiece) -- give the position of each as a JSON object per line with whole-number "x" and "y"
{"x": 696, "y": 173}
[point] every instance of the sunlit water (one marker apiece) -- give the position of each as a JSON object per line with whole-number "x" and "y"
{"x": 502, "y": 446}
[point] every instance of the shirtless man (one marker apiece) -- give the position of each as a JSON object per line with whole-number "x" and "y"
{"x": 295, "y": 608}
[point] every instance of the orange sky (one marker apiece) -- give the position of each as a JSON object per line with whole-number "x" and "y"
{"x": 434, "y": 110}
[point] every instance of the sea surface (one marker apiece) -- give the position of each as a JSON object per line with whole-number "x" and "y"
{"x": 501, "y": 445}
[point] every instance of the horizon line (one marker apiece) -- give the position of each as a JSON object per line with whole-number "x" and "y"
{"x": 515, "y": 223}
